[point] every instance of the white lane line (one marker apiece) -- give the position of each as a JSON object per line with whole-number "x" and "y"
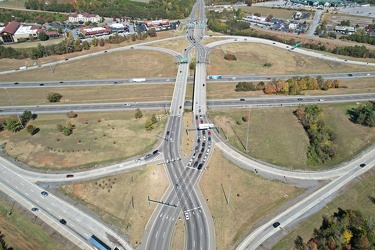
{"x": 53, "y": 204}
{"x": 163, "y": 234}
{"x": 27, "y": 194}
{"x": 78, "y": 220}
{"x": 32, "y": 190}
{"x": 21, "y": 183}
{"x": 48, "y": 209}
{"x": 156, "y": 234}
{"x": 91, "y": 228}
{"x": 64, "y": 211}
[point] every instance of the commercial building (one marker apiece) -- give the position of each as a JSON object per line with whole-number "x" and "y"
{"x": 96, "y": 31}
{"x": 84, "y": 17}
{"x": 7, "y": 33}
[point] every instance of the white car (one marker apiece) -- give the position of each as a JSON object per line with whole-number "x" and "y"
{"x": 186, "y": 216}
{"x": 321, "y": 100}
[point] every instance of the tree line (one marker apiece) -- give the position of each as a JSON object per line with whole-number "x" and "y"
{"x": 322, "y": 139}
{"x": 345, "y": 229}
{"x": 67, "y": 46}
{"x": 240, "y": 28}
{"x": 9, "y": 15}
{"x": 155, "y": 9}
{"x": 292, "y": 86}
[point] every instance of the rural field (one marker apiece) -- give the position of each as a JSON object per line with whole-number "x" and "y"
{"x": 19, "y": 4}
{"x": 266, "y": 11}
{"x": 252, "y": 198}
{"x": 97, "y": 138}
{"x": 22, "y": 230}
{"x": 276, "y": 136}
{"x": 123, "y": 64}
{"x": 34, "y": 44}
{"x": 251, "y": 59}
{"x": 11, "y": 64}
{"x": 225, "y": 90}
{"x": 357, "y": 196}
{"x": 121, "y": 200}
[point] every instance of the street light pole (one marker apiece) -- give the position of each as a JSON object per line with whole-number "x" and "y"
{"x": 247, "y": 134}
{"x": 15, "y": 110}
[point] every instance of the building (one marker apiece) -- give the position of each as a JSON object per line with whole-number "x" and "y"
{"x": 84, "y": 17}
{"x": 96, "y": 31}
{"x": 26, "y": 31}
{"x": 345, "y": 30}
{"x": 156, "y": 23}
{"x": 117, "y": 27}
{"x": 8, "y": 32}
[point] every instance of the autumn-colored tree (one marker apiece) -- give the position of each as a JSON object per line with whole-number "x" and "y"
{"x": 270, "y": 88}
{"x": 30, "y": 129}
{"x": 149, "y": 125}
{"x": 336, "y": 83}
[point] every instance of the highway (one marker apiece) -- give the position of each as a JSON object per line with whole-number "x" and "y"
{"x": 253, "y": 102}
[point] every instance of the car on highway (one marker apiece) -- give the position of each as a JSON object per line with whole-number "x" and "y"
{"x": 139, "y": 160}
{"x": 16, "y": 83}
{"x": 203, "y": 144}
{"x": 69, "y": 176}
{"x": 201, "y": 121}
{"x": 195, "y": 164}
{"x": 127, "y": 104}
{"x": 155, "y": 152}
{"x": 61, "y": 82}
{"x": 362, "y": 165}
{"x": 202, "y": 150}
{"x": 209, "y": 138}
{"x": 148, "y": 156}
{"x": 200, "y": 166}
{"x": 62, "y": 221}
{"x": 368, "y": 74}
{"x": 208, "y": 151}
{"x": 209, "y": 132}
{"x": 44, "y": 193}
{"x": 276, "y": 224}
{"x": 35, "y": 209}
{"x": 196, "y": 148}
{"x": 1, "y": 110}
{"x": 299, "y": 99}
{"x": 196, "y": 117}
{"x": 199, "y": 140}
{"x": 41, "y": 84}
{"x": 321, "y": 100}
{"x": 186, "y": 216}
{"x": 242, "y": 99}
{"x": 180, "y": 107}
{"x": 350, "y": 74}
{"x": 168, "y": 132}
{"x": 199, "y": 156}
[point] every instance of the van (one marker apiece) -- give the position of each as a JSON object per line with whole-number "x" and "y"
{"x": 23, "y": 67}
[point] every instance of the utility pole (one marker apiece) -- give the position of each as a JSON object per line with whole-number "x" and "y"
{"x": 247, "y": 134}
{"x": 15, "y": 110}
{"x": 229, "y": 194}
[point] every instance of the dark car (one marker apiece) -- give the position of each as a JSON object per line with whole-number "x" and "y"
{"x": 168, "y": 132}
{"x": 276, "y": 224}
{"x": 155, "y": 152}
{"x": 350, "y": 74}
{"x": 200, "y": 166}
{"x": 362, "y": 165}
{"x": 209, "y": 138}
{"x": 196, "y": 148}
{"x": 299, "y": 99}
{"x": 105, "y": 51}
{"x": 44, "y": 193}
{"x": 195, "y": 164}
{"x": 69, "y": 176}
{"x": 200, "y": 156}
{"x": 16, "y": 83}
{"x": 180, "y": 107}
{"x": 41, "y": 84}
{"x": 35, "y": 209}
{"x": 242, "y": 99}
{"x": 203, "y": 144}
{"x": 202, "y": 150}
{"x": 196, "y": 117}
{"x": 61, "y": 82}
{"x": 148, "y": 156}
{"x": 115, "y": 82}
{"x": 199, "y": 140}
{"x": 66, "y": 59}
{"x": 62, "y": 221}
{"x": 201, "y": 121}
{"x": 204, "y": 132}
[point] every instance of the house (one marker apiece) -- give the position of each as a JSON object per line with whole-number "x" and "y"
{"x": 84, "y": 17}
{"x": 96, "y": 31}
{"x": 8, "y": 32}
{"x": 345, "y": 30}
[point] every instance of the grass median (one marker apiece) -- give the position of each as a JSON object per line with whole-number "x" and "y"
{"x": 251, "y": 199}
{"x": 121, "y": 200}
{"x": 98, "y": 138}
{"x": 276, "y": 136}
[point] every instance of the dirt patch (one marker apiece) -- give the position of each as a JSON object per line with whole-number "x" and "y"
{"x": 188, "y": 139}
{"x": 251, "y": 199}
{"x": 121, "y": 200}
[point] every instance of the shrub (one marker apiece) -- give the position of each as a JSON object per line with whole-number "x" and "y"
{"x": 54, "y": 97}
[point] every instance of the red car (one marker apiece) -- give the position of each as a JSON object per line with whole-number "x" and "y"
{"x": 201, "y": 121}
{"x": 196, "y": 117}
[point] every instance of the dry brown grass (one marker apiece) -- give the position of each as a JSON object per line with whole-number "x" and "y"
{"x": 117, "y": 136}
{"x": 187, "y": 141}
{"x": 252, "y": 199}
{"x": 9, "y": 64}
{"x": 178, "y": 236}
{"x": 92, "y": 94}
{"x": 123, "y": 64}
{"x": 251, "y": 58}
{"x": 121, "y": 200}
{"x": 177, "y": 45}
{"x": 34, "y": 44}
{"x": 265, "y": 11}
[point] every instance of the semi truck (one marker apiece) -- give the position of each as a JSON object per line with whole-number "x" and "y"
{"x": 214, "y": 77}
{"x": 139, "y": 79}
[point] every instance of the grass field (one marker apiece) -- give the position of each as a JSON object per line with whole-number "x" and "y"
{"x": 117, "y": 136}
{"x": 251, "y": 59}
{"x": 121, "y": 200}
{"x": 124, "y": 64}
{"x": 22, "y": 230}
{"x": 252, "y": 199}
{"x": 177, "y": 45}
{"x": 355, "y": 196}
{"x": 265, "y": 11}
{"x": 276, "y": 136}
{"x": 19, "y": 4}
{"x": 11, "y": 64}
{"x": 34, "y": 44}
{"x": 114, "y": 93}
{"x": 221, "y": 90}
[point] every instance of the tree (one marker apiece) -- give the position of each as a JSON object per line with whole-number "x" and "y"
{"x": 26, "y": 117}
{"x": 30, "y": 129}
{"x": 101, "y": 42}
{"x": 148, "y": 125}
{"x": 138, "y": 114}
{"x": 12, "y": 124}
{"x": 95, "y": 42}
{"x": 152, "y": 32}
{"x": 154, "y": 119}
{"x": 54, "y": 97}
{"x": 86, "y": 45}
{"x": 59, "y": 127}
{"x": 42, "y": 36}
{"x": 67, "y": 131}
